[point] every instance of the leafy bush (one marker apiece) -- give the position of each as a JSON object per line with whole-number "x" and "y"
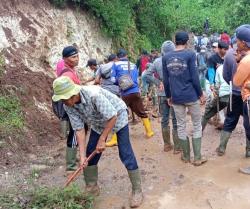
{"x": 45, "y": 198}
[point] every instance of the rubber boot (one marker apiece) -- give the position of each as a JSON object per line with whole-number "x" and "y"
{"x": 91, "y": 177}
{"x": 166, "y": 139}
{"x": 204, "y": 123}
{"x": 185, "y": 150}
{"x": 224, "y": 137}
{"x": 71, "y": 159}
{"x": 247, "y": 148}
{"x": 177, "y": 145}
{"x": 113, "y": 141}
{"x": 147, "y": 126}
{"x": 137, "y": 195}
{"x": 245, "y": 170}
{"x": 198, "y": 159}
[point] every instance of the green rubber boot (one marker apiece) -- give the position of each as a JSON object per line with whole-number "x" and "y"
{"x": 185, "y": 150}
{"x": 198, "y": 159}
{"x": 247, "y": 148}
{"x": 177, "y": 143}
{"x": 137, "y": 195}
{"x": 224, "y": 137}
{"x": 71, "y": 159}
{"x": 91, "y": 178}
{"x": 166, "y": 139}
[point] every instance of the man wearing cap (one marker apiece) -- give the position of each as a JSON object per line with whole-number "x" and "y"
{"x": 131, "y": 95}
{"x": 165, "y": 109}
{"x": 235, "y": 105}
{"x": 105, "y": 113}
{"x": 92, "y": 64}
{"x": 66, "y": 67}
{"x": 242, "y": 79}
{"x": 183, "y": 90}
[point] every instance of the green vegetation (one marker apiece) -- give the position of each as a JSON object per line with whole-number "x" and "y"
{"x": 2, "y": 64}
{"x": 44, "y": 198}
{"x": 136, "y": 24}
{"x": 11, "y": 117}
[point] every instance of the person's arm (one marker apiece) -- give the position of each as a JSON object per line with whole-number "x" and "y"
{"x": 114, "y": 74}
{"x": 150, "y": 72}
{"x": 104, "y": 107}
{"x": 100, "y": 147}
{"x": 227, "y": 69}
{"x": 81, "y": 141}
{"x": 98, "y": 77}
{"x": 195, "y": 79}
{"x": 166, "y": 78}
{"x": 242, "y": 73}
{"x": 195, "y": 76}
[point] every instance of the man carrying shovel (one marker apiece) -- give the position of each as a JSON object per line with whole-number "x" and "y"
{"x": 105, "y": 113}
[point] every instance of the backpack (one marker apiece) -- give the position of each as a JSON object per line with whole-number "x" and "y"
{"x": 202, "y": 66}
{"x": 105, "y": 70}
{"x": 143, "y": 63}
{"x": 57, "y": 107}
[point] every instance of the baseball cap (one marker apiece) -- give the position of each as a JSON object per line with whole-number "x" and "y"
{"x": 121, "y": 53}
{"x": 69, "y": 51}
{"x": 91, "y": 62}
{"x": 111, "y": 57}
{"x": 64, "y": 88}
{"x": 243, "y": 33}
{"x": 215, "y": 44}
{"x": 181, "y": 37}
{"x": 223, "y": 45}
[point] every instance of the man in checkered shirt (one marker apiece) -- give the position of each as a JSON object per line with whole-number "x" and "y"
{"x": 105, "y": 113}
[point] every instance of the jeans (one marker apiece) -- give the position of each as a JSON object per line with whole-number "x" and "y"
{"x": 232, "y": 117}
{"x": 126, "y": 153}
{"x": 165, "y": 111}
{"x": 181, "y": 112}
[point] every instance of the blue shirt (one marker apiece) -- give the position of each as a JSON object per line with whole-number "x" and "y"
{"x": 121, "y": 68}
{"x": 180, "y": 77}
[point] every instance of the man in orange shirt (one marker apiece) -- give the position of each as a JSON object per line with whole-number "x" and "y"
{"x": 242, "y": 78}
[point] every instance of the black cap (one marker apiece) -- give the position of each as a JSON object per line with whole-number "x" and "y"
{"x": 69, "y": 51}
{"x": 111, "y": 57}
{"x": 91, "y": 62}
{"x": 243, "y": 33}
{"x": 181, "y": 38}
{"x": 121, "y": 53}
{"x": 222, "y": 45}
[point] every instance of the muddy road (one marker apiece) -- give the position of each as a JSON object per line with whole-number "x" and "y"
{"x": 167, "y": 182}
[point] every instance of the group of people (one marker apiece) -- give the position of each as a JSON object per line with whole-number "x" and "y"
{"x": 102, "y": 107}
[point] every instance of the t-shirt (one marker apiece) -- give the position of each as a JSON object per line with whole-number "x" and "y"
{"x": 242, "y": 76}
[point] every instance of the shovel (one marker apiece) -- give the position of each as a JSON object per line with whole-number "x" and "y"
{"x": 76, "y": 173}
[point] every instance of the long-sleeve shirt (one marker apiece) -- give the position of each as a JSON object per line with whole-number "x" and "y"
{"x": 242, "y": 76}
{"x": 229, "y": 69}
{"x": 119, "y": 69}
{"x": 180, "y": 77}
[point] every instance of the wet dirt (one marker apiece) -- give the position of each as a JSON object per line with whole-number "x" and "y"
{"x": 167, "y": 182}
